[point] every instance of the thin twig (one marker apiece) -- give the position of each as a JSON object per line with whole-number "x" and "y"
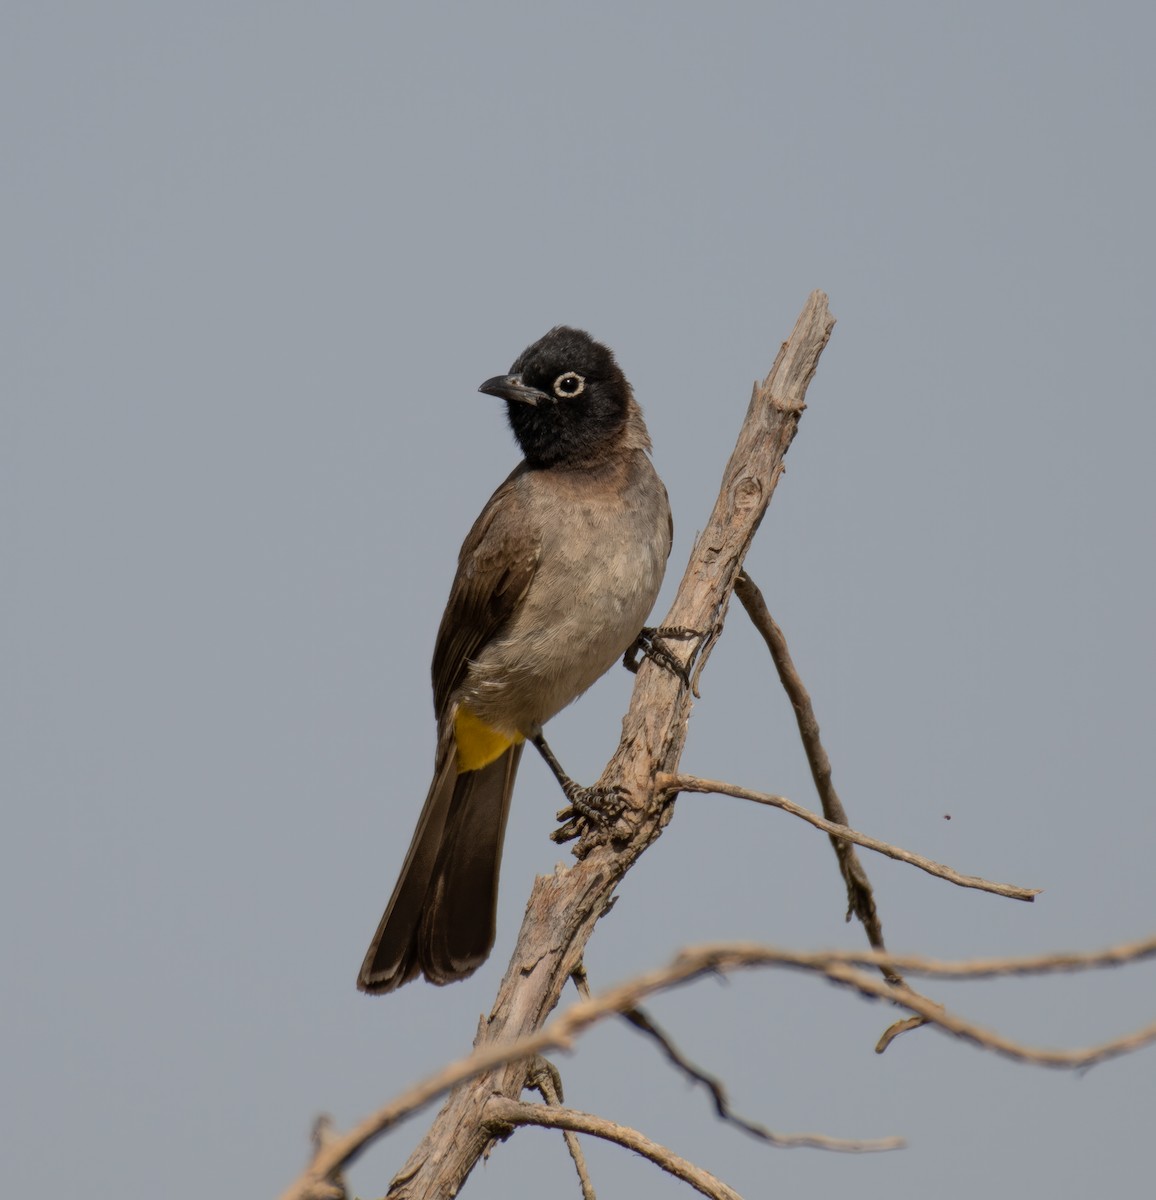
{"x": 692, "y": 783}
{"x": 638, "y": 1018}
{"x": 333, "y": 1186}
{"x": 934, "y": 1014}
{"x": 504, "y": 1113}
{"x": 547, "y": 1080}
{"x": 641, "y": 1020}
{"x": 860, "y": 896}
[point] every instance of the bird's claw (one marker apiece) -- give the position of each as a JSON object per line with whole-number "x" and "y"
{"x": 650, "y": 644}
{"x": 592, "y": 815}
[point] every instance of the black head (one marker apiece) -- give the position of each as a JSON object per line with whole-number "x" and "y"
{"x": 567, "y": 399}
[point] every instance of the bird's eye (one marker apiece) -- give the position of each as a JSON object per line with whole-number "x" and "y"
{"x": 569, "y": 385}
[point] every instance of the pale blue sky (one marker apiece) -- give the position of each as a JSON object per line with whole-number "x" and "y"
{"x": 256, "y": 259}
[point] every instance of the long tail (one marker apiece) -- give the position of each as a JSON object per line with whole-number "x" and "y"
{"x": 440, "y": 920}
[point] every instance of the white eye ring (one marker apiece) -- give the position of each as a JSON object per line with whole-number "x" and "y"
{"x": 569, "y": 385}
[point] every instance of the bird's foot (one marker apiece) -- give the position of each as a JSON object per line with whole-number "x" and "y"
{"x": 599, "y": 805}
{"x": 592, "y": 816}
{"x": 650, "y": 643}
{"x": 593, "y": 812}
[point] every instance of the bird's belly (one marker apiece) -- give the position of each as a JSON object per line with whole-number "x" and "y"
{"x": 581, "y": 613}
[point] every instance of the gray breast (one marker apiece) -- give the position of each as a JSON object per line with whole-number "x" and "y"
{"x": 604, "y": 547}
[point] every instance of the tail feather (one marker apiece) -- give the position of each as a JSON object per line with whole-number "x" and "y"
{"x": 440, "y": 921}
{"x": 459, "y": 920}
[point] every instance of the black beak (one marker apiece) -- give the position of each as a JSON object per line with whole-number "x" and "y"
{"x": 511, "y": 387}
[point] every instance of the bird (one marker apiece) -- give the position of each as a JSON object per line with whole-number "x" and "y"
{"x": 554, "y": 583}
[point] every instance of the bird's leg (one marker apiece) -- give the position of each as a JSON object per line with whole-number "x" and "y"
{"x": 649, "y": 644}
{"x": 601, "y": 806}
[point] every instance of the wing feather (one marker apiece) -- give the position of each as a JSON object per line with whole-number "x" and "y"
{"x": 495, "y": 568}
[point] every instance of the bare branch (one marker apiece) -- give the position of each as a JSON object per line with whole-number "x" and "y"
{"x": 691, "y": 783}
{"x": 332, "y": 1187}
{"x": 640, "y": 1019}
{"x": 1063, "y": 962}
{"x": 934, "y": 1014}
{"x": 547, "y": 1080}
{"x": 848, "y": 968}
{"x": 860, "y": 896}
{"x": 502, "y": 1114}
{"x": 841, "y": 967}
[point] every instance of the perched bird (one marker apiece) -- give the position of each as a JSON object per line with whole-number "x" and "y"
{"x": 554, "y": 583}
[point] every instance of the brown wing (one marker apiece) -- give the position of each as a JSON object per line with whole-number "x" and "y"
{"x": 496, "y": 564}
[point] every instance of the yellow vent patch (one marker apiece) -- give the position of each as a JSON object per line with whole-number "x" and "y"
{"x": 478, "y": 744}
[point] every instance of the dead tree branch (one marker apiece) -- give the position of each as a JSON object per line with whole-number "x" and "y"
{"x": 504, "y": 1114}
{"x": 640, "y": 1020}
{"x": 860, "y": 896}
{"x": 842, "y": 969}
{"x": 852, "y": 969}
{"x": 547, "y": 1080}
{"x": 839, "y": 831}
